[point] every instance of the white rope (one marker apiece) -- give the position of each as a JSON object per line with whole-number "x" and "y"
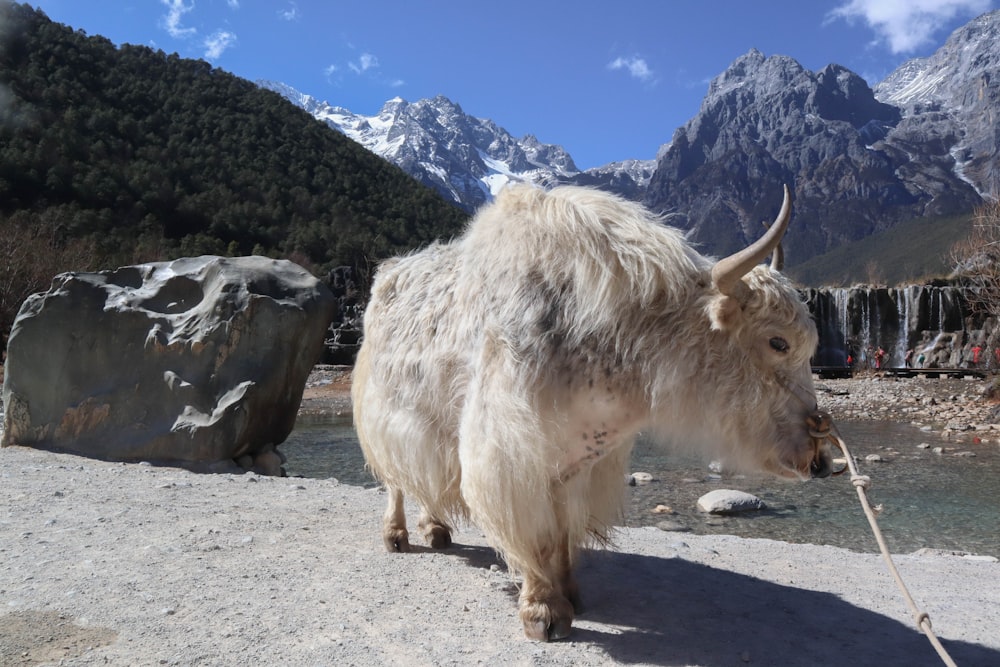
{"x": 861, "y": 484}
{"x": 821, "y": 427}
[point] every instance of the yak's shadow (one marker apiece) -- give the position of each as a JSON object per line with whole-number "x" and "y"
{"x": 669, "y": 611}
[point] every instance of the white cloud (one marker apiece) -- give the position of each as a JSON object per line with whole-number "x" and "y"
{"x": 366, "y": 62}
{"x": 636, "y": 67}
{"x": 290, "y": 13}
{"x": 176, "y": 9}
{"x": 218, "y": 42}
{"x": 910, "y": 24}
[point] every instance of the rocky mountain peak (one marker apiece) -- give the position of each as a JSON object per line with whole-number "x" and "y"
{"x": 767, "y": 121}
{"x": 943, "y": 78}
{"x": 753, "y": 71}
{"x": 953, "y": 96}
{"x": 465, "y": 158}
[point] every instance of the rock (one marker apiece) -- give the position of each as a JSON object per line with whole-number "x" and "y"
{"x": 728, "y": 501}
{"x": 663, "y": 509}
{"x": 672, "y": 526}
{"x": 875, "y": 458}
{"x": 196, "y": 361}
{"x": 640, "y": 478}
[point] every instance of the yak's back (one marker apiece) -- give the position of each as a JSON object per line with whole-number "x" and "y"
{"x": 604, "y": 256}
{"x": 563, "y": 263}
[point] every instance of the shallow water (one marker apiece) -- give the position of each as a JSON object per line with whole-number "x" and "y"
{"x": 939, "y": 501}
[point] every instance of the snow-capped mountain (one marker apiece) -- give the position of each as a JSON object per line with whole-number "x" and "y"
{"x": 923, "y": 142}
{"x": 466, "y": 159}
{"x": 857, "y": 165}
{"x": 954, "y": 96}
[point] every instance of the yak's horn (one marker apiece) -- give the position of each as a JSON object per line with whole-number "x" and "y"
{"x": 778, "y": 256}
{"x": 727, "y": 274}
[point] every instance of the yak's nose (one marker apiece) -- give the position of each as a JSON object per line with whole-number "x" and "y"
{"x": 821, "y": 466}
{"x": 820, "y": 424}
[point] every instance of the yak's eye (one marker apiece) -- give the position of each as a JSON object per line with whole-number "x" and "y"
{"x": 779, "y": 344}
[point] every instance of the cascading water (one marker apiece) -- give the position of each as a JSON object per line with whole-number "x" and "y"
{"x": 899, "y": 355}
{"x": 857, "y": 322}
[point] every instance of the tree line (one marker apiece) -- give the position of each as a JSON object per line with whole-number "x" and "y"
{"x": 116, "y": 155}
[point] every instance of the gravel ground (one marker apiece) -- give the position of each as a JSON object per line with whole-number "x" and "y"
{"x": 954, "y": 407}
{"x": 125, "y": 564}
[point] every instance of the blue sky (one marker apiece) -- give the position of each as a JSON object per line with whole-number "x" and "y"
{"x": 606, "y": 79}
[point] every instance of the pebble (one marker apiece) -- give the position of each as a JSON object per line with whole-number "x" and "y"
{"x": 640, "y": 478}
{"x": 672, "y": 526}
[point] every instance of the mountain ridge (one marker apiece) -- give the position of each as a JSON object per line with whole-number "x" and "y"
{"x": 861, "y": 159}
{"x": 467, "y": 159}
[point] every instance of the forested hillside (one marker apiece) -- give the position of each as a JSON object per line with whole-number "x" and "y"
{"x": 113, "y": 155}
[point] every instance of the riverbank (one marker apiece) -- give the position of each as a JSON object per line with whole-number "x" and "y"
{"x": 955, "y": 408}
{"x": 106, "y": 563}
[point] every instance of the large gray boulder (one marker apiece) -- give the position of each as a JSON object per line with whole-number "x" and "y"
{"x": 198, "y": 362}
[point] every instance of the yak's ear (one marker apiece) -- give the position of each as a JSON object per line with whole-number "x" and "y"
{"x": 725, "y": 312}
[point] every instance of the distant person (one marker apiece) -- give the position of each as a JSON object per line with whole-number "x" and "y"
{"x": 908, "y": 359}
{"x": 920, "y": 360}
{"x": 879, "y": 358}
{"x": 976, "y": 351}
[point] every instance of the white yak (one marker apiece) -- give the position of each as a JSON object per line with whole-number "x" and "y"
{"x": 504, "y": 375}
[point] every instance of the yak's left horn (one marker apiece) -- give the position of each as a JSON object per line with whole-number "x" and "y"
{"x": 778, "y": 256}
{"x": 727, "y": 274}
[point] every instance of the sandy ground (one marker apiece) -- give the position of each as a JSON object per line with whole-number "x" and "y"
{"x": 117, "y": 564}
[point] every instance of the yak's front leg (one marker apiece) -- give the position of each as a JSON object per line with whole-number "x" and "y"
{"x": 564, "y": 573}
{"x": 549, "y": 600}
{"x": 550, "y": 596}
{"x": 394, "y": 534}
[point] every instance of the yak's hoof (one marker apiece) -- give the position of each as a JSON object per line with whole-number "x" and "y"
{"x": 547, "y": 621}
{"x": 396, "y": 540}
{"x": 438, "y": 536}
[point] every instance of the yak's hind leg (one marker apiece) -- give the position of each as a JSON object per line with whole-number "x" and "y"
{"x": 396, "y": 537}
{"x": 436, "y": 532}
{"x": 394, "y": 534}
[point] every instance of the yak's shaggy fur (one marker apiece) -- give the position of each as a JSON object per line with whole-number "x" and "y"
{"x": 503, "y": 376}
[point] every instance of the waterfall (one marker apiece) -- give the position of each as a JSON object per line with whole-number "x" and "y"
{"x": 903, "y": 309}
{"x": 857, "y": 321}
